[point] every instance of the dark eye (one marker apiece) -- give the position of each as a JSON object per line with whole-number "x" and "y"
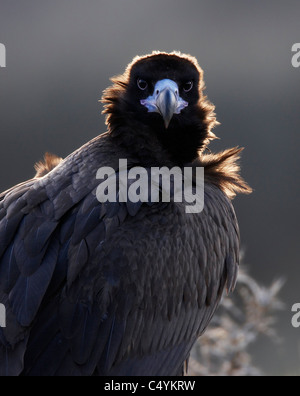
{"x": 142, "y": 84}
{"x": 187, "y": 87}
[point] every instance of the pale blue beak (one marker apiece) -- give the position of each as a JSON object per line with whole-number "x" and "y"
{"x": 165, "y": 101}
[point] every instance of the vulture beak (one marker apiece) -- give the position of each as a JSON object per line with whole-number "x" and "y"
{"x": 165, "y": 101}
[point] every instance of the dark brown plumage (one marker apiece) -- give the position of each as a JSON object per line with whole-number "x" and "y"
{"x": 120, "y": 288}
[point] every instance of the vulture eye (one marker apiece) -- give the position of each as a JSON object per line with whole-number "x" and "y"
{"x": 142, "y": 84}
{"x": 188, "y": 86}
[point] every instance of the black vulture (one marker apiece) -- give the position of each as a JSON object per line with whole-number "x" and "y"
{"x": 120, "y": 288}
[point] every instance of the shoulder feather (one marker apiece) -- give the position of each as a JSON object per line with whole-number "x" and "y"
{"x": 49, "y": 163}
{"x": 223, "y": 170}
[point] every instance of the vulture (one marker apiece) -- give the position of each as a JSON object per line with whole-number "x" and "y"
{"x": 121, "y": 288}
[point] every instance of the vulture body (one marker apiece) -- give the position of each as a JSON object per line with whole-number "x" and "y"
{"x": 119, "y": 288}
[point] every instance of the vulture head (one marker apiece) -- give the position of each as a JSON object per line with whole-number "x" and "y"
{"x": 159, "y": 102}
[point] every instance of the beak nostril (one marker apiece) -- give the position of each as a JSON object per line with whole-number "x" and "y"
{"x": 157, "y": 92}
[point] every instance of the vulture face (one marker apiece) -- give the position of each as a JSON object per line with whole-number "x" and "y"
{"x": 159, "y": 102}
{"x": 164, "y": 90}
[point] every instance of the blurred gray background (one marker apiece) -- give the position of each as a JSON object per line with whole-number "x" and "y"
{"x": 60, "y": 55}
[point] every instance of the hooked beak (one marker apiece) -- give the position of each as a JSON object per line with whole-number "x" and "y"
{"x": 165, "y": 101}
